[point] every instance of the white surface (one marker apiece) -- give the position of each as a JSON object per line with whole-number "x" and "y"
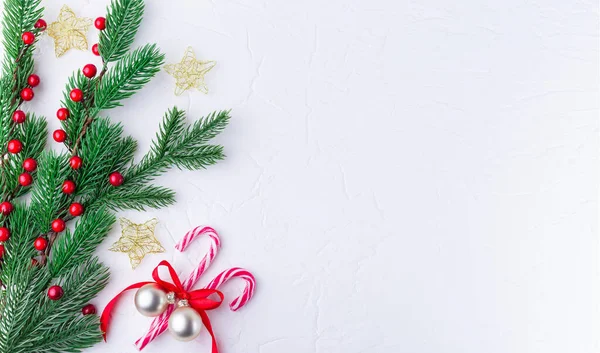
{"x": 402, "y": 176}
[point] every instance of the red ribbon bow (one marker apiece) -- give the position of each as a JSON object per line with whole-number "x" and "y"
{"x": 198, "y": 299}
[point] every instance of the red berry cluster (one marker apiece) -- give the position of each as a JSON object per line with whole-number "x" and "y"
{"x": 76, "y": 95}
{"x": 115, "y": 178}
{"x": 76, "y": 209}
{"x": 26, "y": 94}
{"x": 100, "y": 24}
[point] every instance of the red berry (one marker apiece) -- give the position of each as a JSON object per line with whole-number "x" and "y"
{"x": 62, "y": 113}
{"x": 75, "y": 162}
{"x": 59, "y": 135}
{"x": 4, "y": 234}
{"x": 68, "y": 187}
{"x": 95, "y": 49}
{"x": 18, "y": 116}
{"x": 33, "y": 80}
{"x": 25, "y": 179}
{"x": 76, "y": 95}
{"x": 58, "y": 225}
{"x": 89, "y": 309}
{"x": 89, "y": 70}
{"x": 115, "y": 179}
{"x": 28, "y": 38}
{"x": 40, "y": 24}
{"x": 1, "y": 251}
{"x": 14, "y": 146}
{"x": 76, "y": 209}
{"x": 27, "y": 94}
{"x": 100, "y": 23}
{"x": 55, "y": 292}
{"x": 40, "y": 244}
{"x": 30, "y": 164}
{"x": 6, "y": 208}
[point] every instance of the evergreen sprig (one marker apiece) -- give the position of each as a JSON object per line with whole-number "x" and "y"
{"x": 29, "y": 320}
{"x": 123, "y": 20}
{"x": 129, "y": 74}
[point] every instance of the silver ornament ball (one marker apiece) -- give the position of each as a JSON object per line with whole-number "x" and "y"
{"x": 151, "y": 300}
{"x": 185, "y": 324}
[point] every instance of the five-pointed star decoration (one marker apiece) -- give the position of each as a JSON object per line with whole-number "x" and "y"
{"x": 190, "y": 72}
{"x": 137, "y": 240}
{"x": 69, "y": 32}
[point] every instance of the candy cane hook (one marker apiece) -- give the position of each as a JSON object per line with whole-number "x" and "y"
{"x": 230, "y": 274}
{"x": 159, "y": 324}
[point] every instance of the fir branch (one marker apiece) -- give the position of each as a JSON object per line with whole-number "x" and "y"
{"x": 20, "y": 303}
{"x": 99, "y": 149}
{"x": 77, "y": 247}
{"x": 73, "y": 336}
{"x": 134, "y": 197}
{"x": 18, "y": 251}
{"x": 175, "y": 145}
{"x": 80, "y": 284}
{"x": 19, "y": 16}
{"x": 180, "y": 146}
{"x": 123, "y": 19}
{"x": 198, "y": 157}
{"x": 47, "y": 197}
{"x": 33, "y": 134}
{"x": 129, "y": 75}
{"x": 77, "y": 111}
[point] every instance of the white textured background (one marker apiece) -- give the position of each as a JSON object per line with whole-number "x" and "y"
{"x": 402, "y": 176}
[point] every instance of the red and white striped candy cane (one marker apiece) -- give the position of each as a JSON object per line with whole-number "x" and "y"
{"x": 159, "y": 324}
{"x": 232, "y": 273}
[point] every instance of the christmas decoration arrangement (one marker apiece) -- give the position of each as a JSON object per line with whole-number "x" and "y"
{"x": 137, "y": 240}
{"x": 190, "y": 72}
{"x": 48, "y": 271}
{"x": 174, "y": 304}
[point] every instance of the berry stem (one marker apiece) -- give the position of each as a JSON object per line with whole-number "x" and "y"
{"x": 89, "y": 118}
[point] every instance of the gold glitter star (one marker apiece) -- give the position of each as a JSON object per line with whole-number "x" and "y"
{"x": 69, "y": 32}
{"x": 137, "y": 240}
{"x": 190, "y": 72}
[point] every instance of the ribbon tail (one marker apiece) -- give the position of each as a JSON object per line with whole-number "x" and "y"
{"x": 106, "y": 313}
{"x": 206, "y": 322}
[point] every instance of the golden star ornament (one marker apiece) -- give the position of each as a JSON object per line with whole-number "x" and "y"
{"x": 69, "y": 32}
{"x": 137, "y": 240}
{"x": 189, "y": 73}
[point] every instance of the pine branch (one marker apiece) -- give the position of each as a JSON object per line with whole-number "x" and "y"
{"x": 80, "y": 284}
{"x": 175, "y": 145}
{"x": 19, "y": 16}
{"x": 137, "y": 198}
{"x": 78, "y": 247}
{"x": 129, "y": 75}
{"x": 47, "y": 197}
{"x": 123, "y": 19}
{"x": 33, "y": 134}
{"x": 99, "y": 149}
{"x": 73, "y": 336}
{"x": 18, "y": 251}
{"x": 74, "y": 124}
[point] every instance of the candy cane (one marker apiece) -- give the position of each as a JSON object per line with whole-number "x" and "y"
{"x": 159, "y": 324}
{"x": 236, "y": 272}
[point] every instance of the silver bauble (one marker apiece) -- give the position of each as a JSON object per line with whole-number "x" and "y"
{"x": 151, "y": 300}
{"x": 185, "y": 324}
